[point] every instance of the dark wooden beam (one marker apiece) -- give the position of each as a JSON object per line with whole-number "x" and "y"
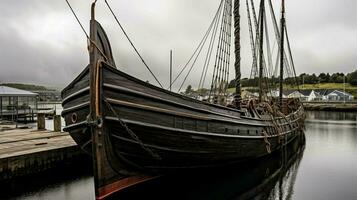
{"x": 94, "y": 106}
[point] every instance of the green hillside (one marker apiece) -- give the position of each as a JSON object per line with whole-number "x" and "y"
{"x": 338, "y": 86}
{"x": 27, "y": 87}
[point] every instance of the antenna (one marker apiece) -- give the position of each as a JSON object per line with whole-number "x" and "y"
{"x": 170, "y": 70}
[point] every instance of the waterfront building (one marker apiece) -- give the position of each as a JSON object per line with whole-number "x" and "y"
{"x": 15, "y": 103}
{"x": 337, "y": 95}
{"x": 316, "y": 95}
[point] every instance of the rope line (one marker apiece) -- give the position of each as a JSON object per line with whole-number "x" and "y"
{"x": 79, "y": 22}
{"x": 198, "y": 54}
{"x": 131, "y": 43}
{"x": 131, "y": 133}
{"x": 200, "y": 44}
{"x": 84, "y": 31}
{"x": 221, "y": 67}
{"x": 209, "y": 52}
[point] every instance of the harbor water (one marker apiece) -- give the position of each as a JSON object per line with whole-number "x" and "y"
{"x": 325, "y": 169}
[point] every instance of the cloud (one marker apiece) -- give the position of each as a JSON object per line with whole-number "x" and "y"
{"x": 42, "y": 43}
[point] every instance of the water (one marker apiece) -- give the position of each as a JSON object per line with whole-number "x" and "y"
{"x": 49, "y": 122}
{"x": 326, "y": 169}
{"x": 329, "y": 167}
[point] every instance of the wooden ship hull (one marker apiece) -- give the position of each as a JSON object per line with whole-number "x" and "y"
{"x": 136, "y": 131}
{"x": 148, "y": 130}
{"x": 185, "y": 133}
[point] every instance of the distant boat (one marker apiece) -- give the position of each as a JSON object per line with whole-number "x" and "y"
{"x": 136, "y": 131}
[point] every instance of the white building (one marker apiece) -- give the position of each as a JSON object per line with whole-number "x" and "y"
{"x": 337, "y": 95}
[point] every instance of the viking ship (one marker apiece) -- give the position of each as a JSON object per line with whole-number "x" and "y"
{"x": 136, "y": 131}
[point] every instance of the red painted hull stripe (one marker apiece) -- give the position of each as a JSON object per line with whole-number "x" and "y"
{"x": 122, "y": 184}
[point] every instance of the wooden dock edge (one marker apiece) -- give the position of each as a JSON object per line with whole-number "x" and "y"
{"x": 29, "y": 164}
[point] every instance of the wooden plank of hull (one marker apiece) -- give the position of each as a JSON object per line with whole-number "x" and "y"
{"x": 180, "y": 149}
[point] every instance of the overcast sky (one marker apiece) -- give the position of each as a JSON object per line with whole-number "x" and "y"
{"x": 43, "y": 44}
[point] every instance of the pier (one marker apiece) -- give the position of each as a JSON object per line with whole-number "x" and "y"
{"x": 331, "y": 106}
{"x": 27, "y": 151}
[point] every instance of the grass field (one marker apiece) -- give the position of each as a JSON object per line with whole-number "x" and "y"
{"x": 338, "y": 86}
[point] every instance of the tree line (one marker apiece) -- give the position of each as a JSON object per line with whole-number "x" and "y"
{"x": 28, "y": 87}
{"x": 304, "y": 78}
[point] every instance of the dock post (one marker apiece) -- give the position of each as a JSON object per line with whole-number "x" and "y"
{"x": 57, "y": 123}
{"x": 32, "y": 116}
{"x": 41, "y": 122}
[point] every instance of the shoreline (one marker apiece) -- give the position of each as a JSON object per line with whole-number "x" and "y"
{"x": 339, "y": 107}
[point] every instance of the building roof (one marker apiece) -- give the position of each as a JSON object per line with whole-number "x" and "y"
{"x": 287, "y": 92}
{"x": 340, "y": 93}
{"x": 10, "y": 92}
{"x": 302, "y": 92}
{"x": 324, "y": 92}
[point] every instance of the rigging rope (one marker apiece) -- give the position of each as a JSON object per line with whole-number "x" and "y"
{"x": 131, "y": 43}
{"x": 209, "y": 52}
{"x": 198, "y": 54}
{"x": 200, "y": 44}
{"x": 229, "y": 47}
{"x": 255, "y": 71}
{"x": 267, "y": 68}
{"x": 228, "y": 51}
{"x": 84, "y": 31}
{"x": 221, "y": 67}
{"x": 252, "y": 41}
{"x": 193, "y": 64}
{"x": 79, "y": 22}
{"x": 291, "y": 58}
{"x": 277, "y": 35}
{"x": 220, "y": 48}
{"x": 269, "y": 54}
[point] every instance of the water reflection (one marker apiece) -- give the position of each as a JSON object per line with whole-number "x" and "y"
{"x": 49, "y": 121}
{"x": 325, "y": 115}
{"x": 271, "y": 178}
{"x": 325, "y": 169}
{"x": 67, "y": 181}
{"x": 328, "y": 170}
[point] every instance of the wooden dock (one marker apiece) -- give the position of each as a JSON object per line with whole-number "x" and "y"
{"x": 28, "y": 151}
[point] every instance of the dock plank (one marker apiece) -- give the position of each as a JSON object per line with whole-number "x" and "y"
{"x": 34, "y": 146}
{"x": 26, "y": 151}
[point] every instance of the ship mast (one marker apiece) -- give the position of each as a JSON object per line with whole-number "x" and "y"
{"x": 261, "y": 45}
{"x": 237, "y": 64}
{"x": 282, "y": 21}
